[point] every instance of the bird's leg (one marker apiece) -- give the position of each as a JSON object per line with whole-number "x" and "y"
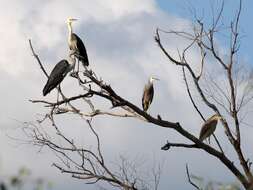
{"x": 209, "y": 140}
{"x": 58, "y": 93}
{"x": 78, "y": 66}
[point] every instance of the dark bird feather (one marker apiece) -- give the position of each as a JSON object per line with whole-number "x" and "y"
{"x": 147, "y": 97}
{"x": 56, "y": 76}
{"x": 81, "y": 53}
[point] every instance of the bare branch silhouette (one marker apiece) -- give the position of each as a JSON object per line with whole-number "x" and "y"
{"x": 91, "y": 166}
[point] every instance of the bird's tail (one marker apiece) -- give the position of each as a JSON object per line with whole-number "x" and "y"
{"x": 85, "y": 62}
{"x": 46, "y": 89}
{"x": 201, "y": 138}
{"x": 145, "y": 107}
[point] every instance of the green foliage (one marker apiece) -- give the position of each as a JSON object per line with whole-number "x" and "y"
{"x": 213, "y": 185}
{"x": 24, "y": 180}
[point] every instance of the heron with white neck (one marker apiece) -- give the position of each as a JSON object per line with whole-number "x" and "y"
{"x": 148, "y": 93}
{"x": 76, "y": 44}
{"x": 59, "y": 72}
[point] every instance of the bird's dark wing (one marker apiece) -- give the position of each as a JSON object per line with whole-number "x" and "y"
{"x": 81, "y": 50}
{"x": 56, "y": 76}
{"x": 151, "y": 93}
{"x": 147, "y": 97}
{"x": 143, "y": 99}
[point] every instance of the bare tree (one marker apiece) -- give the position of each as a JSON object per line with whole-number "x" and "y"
{"x": 227, "y": 98}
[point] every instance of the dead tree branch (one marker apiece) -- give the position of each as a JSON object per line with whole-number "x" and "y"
{"x": 92, "y": 166}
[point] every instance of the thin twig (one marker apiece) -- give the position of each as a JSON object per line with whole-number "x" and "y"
{"x": 37, "y": 58}
{"x": 189, "y": 178}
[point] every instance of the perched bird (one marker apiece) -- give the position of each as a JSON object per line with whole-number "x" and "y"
{"x": 75, "y": 43}
{"x": 148, "y": 93}
{"x": 209, "y": 127}
{"x": 58, "y": 73}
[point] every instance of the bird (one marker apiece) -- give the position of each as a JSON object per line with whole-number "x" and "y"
{"x": 209, "y": 127}
{"x": 148, "y": 94}
{"x": 58, "y": 73}
{"x": 76, "y": 44}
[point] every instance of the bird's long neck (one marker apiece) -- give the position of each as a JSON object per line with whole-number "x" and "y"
{"x": 150, "y": 81}
{"x": 70, "y": 29}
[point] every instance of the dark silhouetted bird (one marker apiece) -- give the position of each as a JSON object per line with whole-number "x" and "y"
{"x": 58, "y": 74}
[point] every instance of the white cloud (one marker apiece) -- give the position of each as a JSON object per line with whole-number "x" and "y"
{"x": 44, "y": 22}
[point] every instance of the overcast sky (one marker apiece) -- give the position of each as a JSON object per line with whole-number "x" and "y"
{"x": 119, "y": 37}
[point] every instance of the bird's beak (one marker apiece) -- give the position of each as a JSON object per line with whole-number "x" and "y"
{"x": 74, "y": 19}
{"x": 156, "y": 79}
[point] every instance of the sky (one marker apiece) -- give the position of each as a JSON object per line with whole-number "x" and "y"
{"x": 119, "y": 37}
